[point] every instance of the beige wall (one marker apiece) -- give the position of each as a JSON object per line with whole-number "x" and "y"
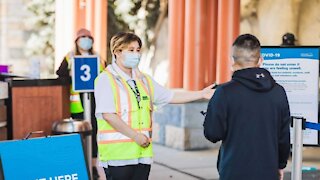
{"x": 15, "y": 31}
{"x": 309, "y": 22}
{"x": 13, "y": 34}
{"x": 270, "y": 19}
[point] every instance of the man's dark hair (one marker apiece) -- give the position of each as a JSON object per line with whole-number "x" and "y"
{"x": 247, "y": 41}
{"x": 246, "y": 49}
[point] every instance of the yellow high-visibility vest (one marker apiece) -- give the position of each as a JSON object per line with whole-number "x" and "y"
{"x": 112, "y": 145}
{"x": 75, "y": 101}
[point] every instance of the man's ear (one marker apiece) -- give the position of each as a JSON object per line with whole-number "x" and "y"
{"x": 260, "y": 62}
{"x": 234, "y": 67}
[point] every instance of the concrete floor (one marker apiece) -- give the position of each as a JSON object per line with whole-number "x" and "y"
{"x": 201, "y": 164}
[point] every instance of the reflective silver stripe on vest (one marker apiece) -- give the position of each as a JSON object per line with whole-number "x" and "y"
{"x": 114, "y": 136}
{"x": 75, "y": 98}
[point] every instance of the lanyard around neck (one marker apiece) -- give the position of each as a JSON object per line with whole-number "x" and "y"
{"x": 135, "y": 91}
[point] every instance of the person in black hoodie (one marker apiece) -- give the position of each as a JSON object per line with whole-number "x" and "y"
{"x": 250, "y": 115}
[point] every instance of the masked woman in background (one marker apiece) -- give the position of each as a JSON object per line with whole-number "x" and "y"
{"x": 83, "y": 47}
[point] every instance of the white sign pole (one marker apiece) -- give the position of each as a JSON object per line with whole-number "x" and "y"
{"x": 297, "y": 145}
{"x": 83, "y": 81}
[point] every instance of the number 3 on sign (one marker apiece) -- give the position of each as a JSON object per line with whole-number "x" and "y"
{"x": 86, "y": 69}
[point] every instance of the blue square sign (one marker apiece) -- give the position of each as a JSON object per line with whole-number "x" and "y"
{"x": 85, "y": 69}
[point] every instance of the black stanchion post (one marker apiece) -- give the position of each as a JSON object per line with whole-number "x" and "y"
{"x": 87, "y": 117}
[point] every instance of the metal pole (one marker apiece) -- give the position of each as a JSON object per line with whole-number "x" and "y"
{"x": 297, "y": 149}
{"x": 87, "y": 117}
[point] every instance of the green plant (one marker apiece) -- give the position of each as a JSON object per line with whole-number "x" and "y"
{"x": 143, "y": 17}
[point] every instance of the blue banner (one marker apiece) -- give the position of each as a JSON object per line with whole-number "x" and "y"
{"x": 269, "y": 53}
{"x": 314, "y": 126}
{"x": 51, "y": 158}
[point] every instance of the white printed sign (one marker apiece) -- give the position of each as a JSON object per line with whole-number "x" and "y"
{"x": 297, "y": 70}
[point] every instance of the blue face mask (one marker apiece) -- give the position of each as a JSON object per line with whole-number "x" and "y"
{"x": 85, "y": 43}
{"x": 131, "y": 59}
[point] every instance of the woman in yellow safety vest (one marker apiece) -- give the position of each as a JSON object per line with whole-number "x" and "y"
{"x": 125, "y": 99}
{"x": 83, "y": 47}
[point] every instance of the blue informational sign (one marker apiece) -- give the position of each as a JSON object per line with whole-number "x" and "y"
{"x": 297, "y": 70}
{"x": 85, "y": 69}
{"x": 50, "y": 158}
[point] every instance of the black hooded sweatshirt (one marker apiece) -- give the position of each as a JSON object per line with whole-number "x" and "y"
{"x": 250, "y": 115}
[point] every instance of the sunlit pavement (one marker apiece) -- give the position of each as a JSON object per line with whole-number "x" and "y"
{"x": 201, "y": 164}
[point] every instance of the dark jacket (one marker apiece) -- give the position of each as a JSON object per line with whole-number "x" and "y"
{"x": 63, "y": 71}
{"x": 250, "y": 115}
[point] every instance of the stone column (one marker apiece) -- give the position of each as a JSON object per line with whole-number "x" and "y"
{"x": 180, "y": 126}
{"x": 3, "y": 31}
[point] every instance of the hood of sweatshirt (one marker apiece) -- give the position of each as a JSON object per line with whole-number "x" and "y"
{"x": 256, "y": 79}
